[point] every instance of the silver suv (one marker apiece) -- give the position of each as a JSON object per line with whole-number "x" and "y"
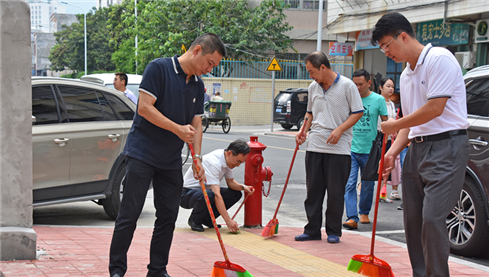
{"x": 468, "y": 223}
{"x": 78, "y": 133}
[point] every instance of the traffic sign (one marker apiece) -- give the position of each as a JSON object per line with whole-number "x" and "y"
{"x": 274, "y": 65}
{"x": 183, "y": 48}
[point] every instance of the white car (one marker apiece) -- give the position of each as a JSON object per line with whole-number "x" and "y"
{"x": 107, "y": 79}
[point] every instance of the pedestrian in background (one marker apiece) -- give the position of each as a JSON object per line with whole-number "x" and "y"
{"x": 433, "y": 100}
{"x": 171, "y": 102}
{"x": 364, "y": 133}
{"x": 120, "y": 84}
{"x": 386, "y": 88}
{"x": 334, "y": 106}
{"x": 217, "y": 97}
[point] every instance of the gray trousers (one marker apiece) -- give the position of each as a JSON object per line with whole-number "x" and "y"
{"x": 432, "y": 178}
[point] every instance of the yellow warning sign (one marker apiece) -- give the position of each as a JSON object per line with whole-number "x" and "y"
{"x": 274, "y": 66}
{"x": 183, "y": 48}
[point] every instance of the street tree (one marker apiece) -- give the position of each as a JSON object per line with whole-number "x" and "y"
{"x": 69, "y": 51}
{"x": 163, "y": 27}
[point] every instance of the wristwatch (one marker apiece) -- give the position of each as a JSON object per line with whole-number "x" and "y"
{"x": 198, "y": 156}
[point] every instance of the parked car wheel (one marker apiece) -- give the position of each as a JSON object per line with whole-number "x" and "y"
{"x": 113, "y": 202}
{"x": 299, "y": 123}
{"x": 286, "y": 126}
{"x": 467, "y": 223}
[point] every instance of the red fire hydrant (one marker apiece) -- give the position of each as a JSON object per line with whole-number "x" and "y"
{"x": 255, "y": 174}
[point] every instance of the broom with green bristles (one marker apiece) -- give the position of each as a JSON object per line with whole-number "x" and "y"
{"x": 369, "y": 265}
{"x": 272, "y": 227}
{"x": 225, "y": 268}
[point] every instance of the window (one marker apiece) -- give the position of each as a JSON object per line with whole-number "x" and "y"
{"x": 477, "y": 96}
{"x": 44, "y": 106}
{"x": 302, "y": 97}
{"x": 122, "y": 111}
{"x": 82, "y": 104}
{"x": 394, "y": 71}
{"x": 107, "y": 111}
{"x": 305, "y": 4}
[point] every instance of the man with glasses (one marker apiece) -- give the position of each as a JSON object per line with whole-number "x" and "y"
{"x": 217, "y": 165}
{"x": 435, "y": 120}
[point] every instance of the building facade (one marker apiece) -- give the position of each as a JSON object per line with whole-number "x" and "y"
{"x": 453, "y": 24}
{"x": 41, "y": 12}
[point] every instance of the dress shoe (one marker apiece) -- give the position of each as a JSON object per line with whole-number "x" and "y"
{"x": 116, "y": 275}
{"x": 350, "y": 224}
{"x": 364, "y": 219}
{"x": 211, "y": 226}
{"x": 305, "y": 237}
{"x": 194, "y": 226}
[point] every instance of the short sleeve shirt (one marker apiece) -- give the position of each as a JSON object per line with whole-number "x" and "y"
{"x": 330, "y": 108}
{"x": 179, "y": 101}
{"x": 365, "y": 130}
{"x": 215, "y": 167}
{"x": 437, "y": 74}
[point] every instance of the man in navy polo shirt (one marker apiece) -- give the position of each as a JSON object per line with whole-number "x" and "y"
{"x": 169, "y": 114}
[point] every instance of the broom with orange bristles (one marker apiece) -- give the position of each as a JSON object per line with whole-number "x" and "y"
{"x": 221, "y": 268}
{"x": 369, "y": 265}
{"x": 272, "y": 227}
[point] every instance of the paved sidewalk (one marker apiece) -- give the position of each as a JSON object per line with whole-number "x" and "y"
{"x": 83, "y": 251}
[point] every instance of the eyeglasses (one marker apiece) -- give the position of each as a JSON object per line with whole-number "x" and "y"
{"x": 237, "y": 162}
{"x": 384, "y": 48}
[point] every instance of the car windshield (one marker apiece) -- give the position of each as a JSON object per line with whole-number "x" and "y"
{"x": 282, "y": 98}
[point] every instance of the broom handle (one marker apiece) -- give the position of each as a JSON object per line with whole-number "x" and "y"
{"x": 210, "y": 208}
{"x": 290, "y": 170}
{"x": 235, "y": 214}
{"x": 381, "y": 168}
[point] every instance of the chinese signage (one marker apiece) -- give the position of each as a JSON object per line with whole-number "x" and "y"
{"x": 437, "y": 33}
{"x": 481, "y": 31}
{"x": 363, "y": 39}
{"x": 340, "y": 49}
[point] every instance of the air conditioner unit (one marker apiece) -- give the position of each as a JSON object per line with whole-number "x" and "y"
{"x": 465, "y": 59}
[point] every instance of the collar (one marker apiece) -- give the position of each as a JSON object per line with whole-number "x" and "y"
{"x": 337, "y": 77}
{"x": 421, "y": 58}
{"x": 334, "y": 82}
{"x": 424, "y": 53}
{"x": 178, "y": 68}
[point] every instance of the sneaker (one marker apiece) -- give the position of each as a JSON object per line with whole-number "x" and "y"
{"x": 350, "y": 224}
{"x": 333, "y": 239}
{"x": 364, "y": 219}
{"x": 400, "y": 207}
{"x": 395, "y": 195}
{"x": 305, "y": 237}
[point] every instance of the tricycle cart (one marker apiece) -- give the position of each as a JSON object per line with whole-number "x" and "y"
{"x": 217, "y": 112}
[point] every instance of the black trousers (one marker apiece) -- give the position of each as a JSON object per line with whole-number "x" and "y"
{"x": 167, "y": 187}
{"x": 194, "y": 199}
{"x": 325, "y": 172}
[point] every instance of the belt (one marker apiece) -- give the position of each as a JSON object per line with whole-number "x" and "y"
{"x": 445, "y": 135}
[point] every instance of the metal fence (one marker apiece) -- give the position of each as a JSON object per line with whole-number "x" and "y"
{"x": 291, "y": 70}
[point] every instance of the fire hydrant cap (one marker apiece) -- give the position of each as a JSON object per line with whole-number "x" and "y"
{"x": 254, "y": 144}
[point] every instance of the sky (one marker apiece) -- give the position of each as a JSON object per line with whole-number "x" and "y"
{"x": 86, "y": 5}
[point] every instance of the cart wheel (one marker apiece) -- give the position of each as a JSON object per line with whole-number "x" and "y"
{"x": 185, "y": 153}
{"x": 205, "y": 124}
{"x": 226, "y": 125}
